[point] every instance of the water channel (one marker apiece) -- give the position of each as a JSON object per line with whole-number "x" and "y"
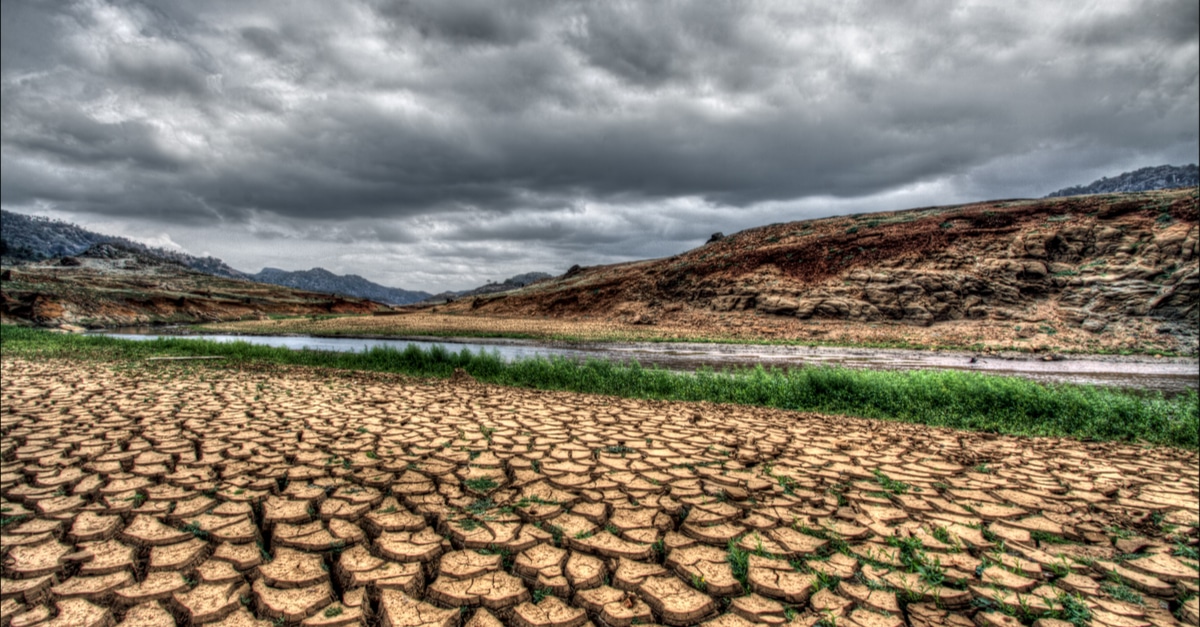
{"x": 1168, "y": 375}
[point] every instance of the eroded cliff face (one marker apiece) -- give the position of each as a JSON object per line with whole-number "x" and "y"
{"x": 1111, "y": 267}
{"x": 129, "y": 291}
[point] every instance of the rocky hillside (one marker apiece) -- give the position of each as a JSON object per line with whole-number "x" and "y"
{"x": 511, "y": 283}
{"x": 1143, "y": 180}
{"x": 34, "y": 238}
{"x": 322, "y": 280}
{"x": 1115, "y": 272}
{"x": 109, "y": 285}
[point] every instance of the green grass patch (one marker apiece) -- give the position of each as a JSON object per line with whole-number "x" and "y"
{"x": 483, "y": 484}
{"x": 962, "y": 400}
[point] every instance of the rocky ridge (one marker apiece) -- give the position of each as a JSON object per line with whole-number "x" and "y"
{"x": 511, "y": 283}
{"x": 1121, "y": 266}
{"x": 111, "y": 286}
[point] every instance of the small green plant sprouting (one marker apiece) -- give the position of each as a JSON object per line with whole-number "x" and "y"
{"x": 889, "y": 484}
{"x": 1183, "y": 550}
{"x": 194, "y": 529}
{"x": 10, "y": 520}
{"x": 482, "y": 484}
{"x": 539, "y": 594}
{"x": 739, "y": 563}
{"x": 335, "y": 610}
{"x": 556, "y": 533}
{"x": 699, "y": 583}
{"x": 1121, "y": 592}
{"x": 825, "y": 580}
{"x": 1045, "y": 537}
{"x": 1074, "y": 610}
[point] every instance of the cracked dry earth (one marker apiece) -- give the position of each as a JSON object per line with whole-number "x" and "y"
{"x": 269, "y": 497}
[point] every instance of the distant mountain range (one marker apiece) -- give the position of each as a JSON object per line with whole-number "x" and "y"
{"x": 34, "y": 238}
{"x": 322, "y": 280}
{"x": 1145, "y": 179}
{"x": 511, "y": 283}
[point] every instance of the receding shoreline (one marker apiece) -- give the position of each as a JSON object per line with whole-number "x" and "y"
{"x": 960, "y": 400}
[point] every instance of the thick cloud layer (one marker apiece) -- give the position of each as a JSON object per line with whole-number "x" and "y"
{"x": 439, "y": 143}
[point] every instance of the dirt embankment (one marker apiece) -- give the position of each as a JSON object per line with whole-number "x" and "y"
{"x": 128, "y": 290}
{"x": 1099, "y": 272}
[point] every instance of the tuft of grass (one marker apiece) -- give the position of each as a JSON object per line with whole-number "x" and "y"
{"x": 915, "y": 560}
{"x": 335, "y": 610}
{"x": 889, "y": 484}
{"x": 739, "y": 563}
{"x": 1121, "y": 592}
{"x": 1045, "y": 537}
{"x": 479, "y": 507}
{"x": 194, "y": 529}
{"x": 483, "y": 484}
{"x": 10, "y": 520}
{"x": 1074, "y": 610}
{"x": 961, "y": 400}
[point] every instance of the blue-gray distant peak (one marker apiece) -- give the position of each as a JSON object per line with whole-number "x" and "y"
{"x": 322, "y": 280}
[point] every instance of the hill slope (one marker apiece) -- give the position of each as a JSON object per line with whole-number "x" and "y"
{"x": 34, "y": 238}
{"x": 1141, "y": 180}
{"x": 322, "y": 280}
{"x": 108, "y": 285}
{"x": 1094, "y": 272}
{"x": 511, "y": 283}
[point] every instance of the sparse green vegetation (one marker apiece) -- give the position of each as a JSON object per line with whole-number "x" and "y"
{"x": 889, "y": 484}
{"x": 940, "y": 398}
{"x": 483, "y": 484}
{"x": 739, "y": 563}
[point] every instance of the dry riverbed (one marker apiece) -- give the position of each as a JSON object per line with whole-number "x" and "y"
{"x": 177, "y": 493}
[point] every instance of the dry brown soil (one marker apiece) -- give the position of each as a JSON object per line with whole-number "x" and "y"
{"x": 180, "y": 495}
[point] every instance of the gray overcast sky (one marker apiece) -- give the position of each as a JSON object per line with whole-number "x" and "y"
{"x": 436, "y": 144}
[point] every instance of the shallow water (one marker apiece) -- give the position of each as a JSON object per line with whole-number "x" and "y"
{"x": 1168, "y": 375}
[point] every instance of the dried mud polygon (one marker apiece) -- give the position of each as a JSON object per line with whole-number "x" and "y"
{"x": 289, "y": 497}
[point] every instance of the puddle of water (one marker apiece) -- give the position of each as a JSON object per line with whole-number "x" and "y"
{"x": 1170, "y": 376}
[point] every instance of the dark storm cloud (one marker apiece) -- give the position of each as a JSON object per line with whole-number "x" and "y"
{"x": 483, "y": 121}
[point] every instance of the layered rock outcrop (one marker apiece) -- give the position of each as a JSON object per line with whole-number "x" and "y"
{"x": 1096, "y": 264}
